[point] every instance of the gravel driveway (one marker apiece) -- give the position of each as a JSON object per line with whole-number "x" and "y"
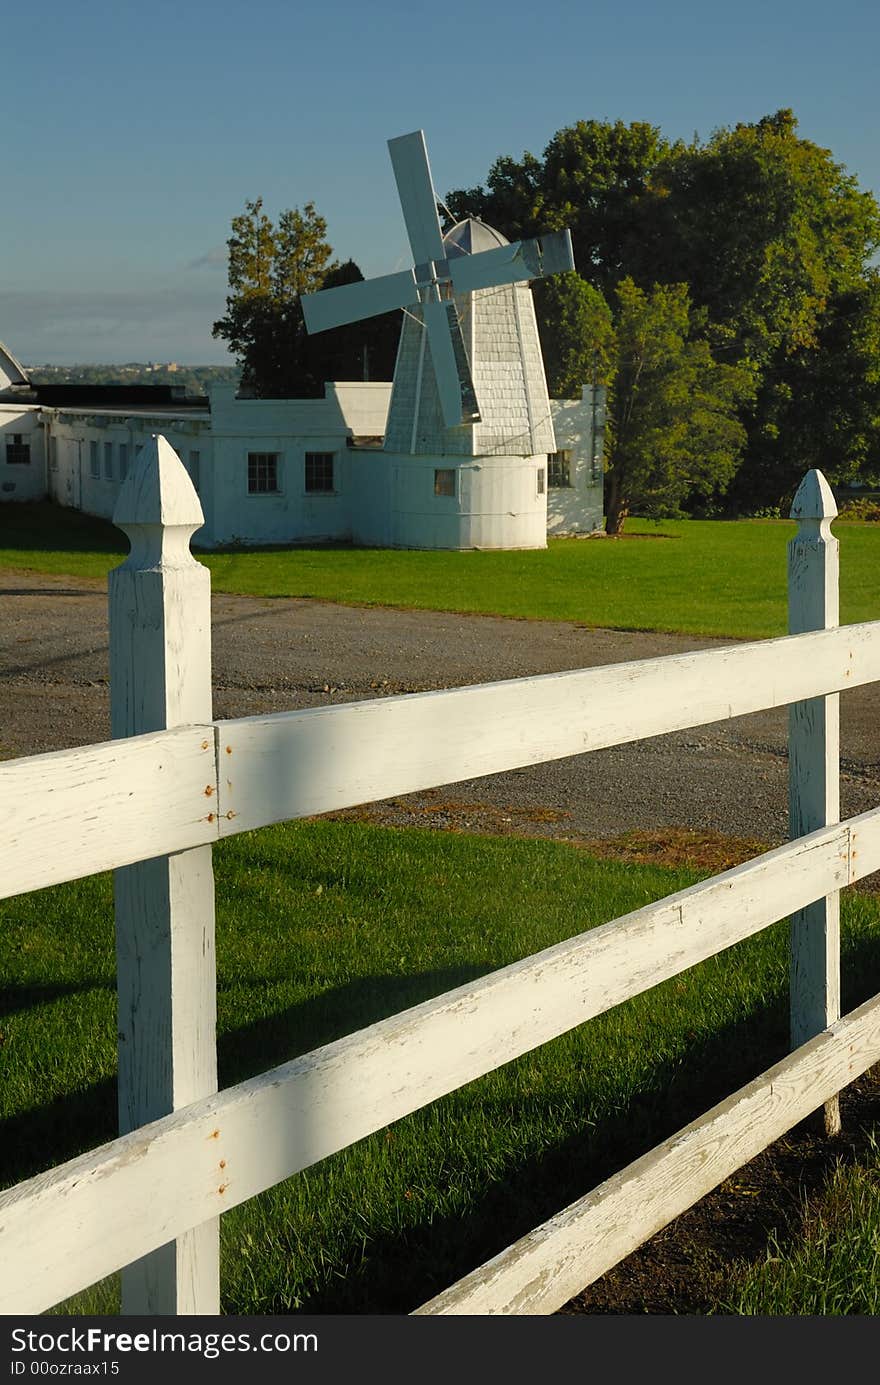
{"x": 273, "y": 655}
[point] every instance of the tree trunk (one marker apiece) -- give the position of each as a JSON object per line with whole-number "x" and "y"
{"x": 616, "y": 507}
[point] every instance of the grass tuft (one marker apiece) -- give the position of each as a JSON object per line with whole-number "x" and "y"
{"x": 833, "y": 1269}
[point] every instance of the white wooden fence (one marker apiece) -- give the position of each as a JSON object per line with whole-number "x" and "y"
{"x": 150, "y": 804}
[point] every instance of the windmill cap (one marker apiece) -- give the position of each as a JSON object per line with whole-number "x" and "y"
{"x": 469, "y": 237}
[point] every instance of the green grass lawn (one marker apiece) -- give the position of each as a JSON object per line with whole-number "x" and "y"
{"x": 834, "y": 1268}
{"x": 701, "y": 577}
{"x": 326, "y": 927}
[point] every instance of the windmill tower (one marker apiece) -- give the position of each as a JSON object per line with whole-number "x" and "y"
{"x": 469, "y": 425}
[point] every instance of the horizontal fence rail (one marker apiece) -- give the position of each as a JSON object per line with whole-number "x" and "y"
{"x": 294, "y": 764}
{"x": 545, "y": 1268}
{"x": 74, "y": 812}
{"x": 109, "y": 805}
{"x": 226, "y": 1148}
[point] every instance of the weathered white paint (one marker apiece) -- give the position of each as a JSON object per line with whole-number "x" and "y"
{"x": 814, "y": 766}
{"x": 579, "y": 426}
{"x": 75, "y": 812}
{"x": 108, "y": 805}
{"x": 540, "y": 1272}
{"x": 231, "y": 1146}
{"x": 22, "y": 480}
{"x": 160, "y": 677}
{"x": 293, "y": 764}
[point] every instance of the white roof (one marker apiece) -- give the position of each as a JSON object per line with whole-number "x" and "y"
{"x": 11, "y": 373}
{"x": 469, "y": 237}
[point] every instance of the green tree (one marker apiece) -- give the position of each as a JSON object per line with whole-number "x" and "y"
{"x": 778, "y": 240}
{"x": 766, "y": 228}
{"x": 673, "y": 431}
{"x": 775, "y": 241}
{"x": 596, "y": 179}
{"x": 577, "y": 334}
{"x": 818, "y": 407}
{"x": 263, "y": 324}
{"x": 251, "y": 251}
{"x": 270, "y": 267}
{"x": 303, "y": 256}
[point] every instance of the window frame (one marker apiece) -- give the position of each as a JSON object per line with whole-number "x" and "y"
{"x": 18, "y": 452}
{"x": 556, "y": 461}
{"x": 448, "y": 473}
{"x": 320, "y": 463}
{"x": 254, "y": 461}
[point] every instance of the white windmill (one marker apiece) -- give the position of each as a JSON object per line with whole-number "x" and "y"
{"x": 436, "y": 277}
{"x": 469, "y": 427}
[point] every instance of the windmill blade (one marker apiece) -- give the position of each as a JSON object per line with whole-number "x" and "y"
{"x": 458, "y": 398}
{"x": 509, "y": 264}
{"x": 412, "y": 173}
{"x": 350, "y": 302}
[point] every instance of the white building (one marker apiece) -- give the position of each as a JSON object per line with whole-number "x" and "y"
{"x": 302, "y": 470}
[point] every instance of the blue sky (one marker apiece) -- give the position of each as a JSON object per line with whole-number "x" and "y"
{"x": 133, "y": 134}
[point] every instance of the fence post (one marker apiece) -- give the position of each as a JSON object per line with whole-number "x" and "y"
{"x": 160, "y": 677}
{"x": 814, "y": 768}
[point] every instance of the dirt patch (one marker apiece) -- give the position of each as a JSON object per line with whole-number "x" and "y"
{"x": 686, "y": 1267}
{"x": 678, "y": 847}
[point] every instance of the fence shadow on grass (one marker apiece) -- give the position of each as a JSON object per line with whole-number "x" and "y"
{"x": 248, "y": 1050}
{"x": 394, "y": 1273}
{"x": 16, "y": 1000}
{"x": 397, "y": 1273}
{"x": 70, "y": 1125}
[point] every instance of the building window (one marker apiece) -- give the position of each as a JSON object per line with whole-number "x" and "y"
{"x": 94, "y": 464}
{"x": 123, "y": 460}
{"x": 194, "y": 468}
{"x": 262, "y": 473}
{"x": 319, "y": 471}
{"x": 53, "y": 454}
{"x": 18, "y": 453}
{"x": 444, "y": 481}
{"x": 559, "y": 467}
{"x": 540, "y": 480}
{"x": 108, "y": 461}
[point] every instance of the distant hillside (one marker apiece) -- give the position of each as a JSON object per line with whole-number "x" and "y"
{"x": 193, "y": 378}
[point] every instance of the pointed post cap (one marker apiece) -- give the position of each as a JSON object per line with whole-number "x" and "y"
{"x": 813, "y": 499}
{"x": 158, "y": 490}
{"x": 158, "y": 509}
